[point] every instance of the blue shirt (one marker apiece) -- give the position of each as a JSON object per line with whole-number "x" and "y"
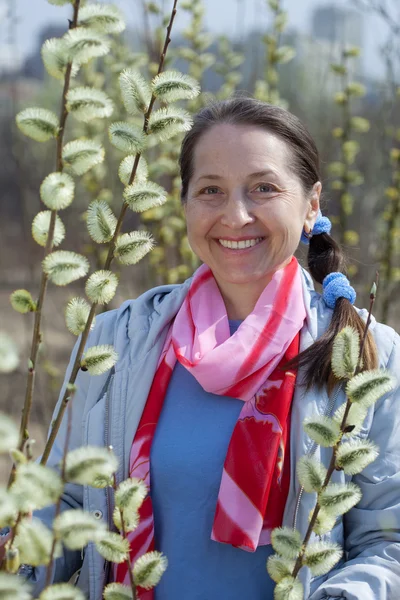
{"x": 187, "y": 457}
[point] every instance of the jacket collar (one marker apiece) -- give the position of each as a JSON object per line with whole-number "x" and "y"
{"x": 310, "y": 298}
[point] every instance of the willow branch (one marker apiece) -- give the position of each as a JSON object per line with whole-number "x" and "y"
{"x": 332, "y": 464}
{"x": 58, "y": 505}
{"x": 390, "y": 241}
{"x": 124, "y": 535}
{"x": 272, "y": 61}
{"x": 345, "y": 138}
{"x": 76, "y": 365}
{"x": 37, "y": 336}
{"x": 66, "y": 397}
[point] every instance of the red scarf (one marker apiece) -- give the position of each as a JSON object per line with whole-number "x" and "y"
{"x": 246, "y": 365}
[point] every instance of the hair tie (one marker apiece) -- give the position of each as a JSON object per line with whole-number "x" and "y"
{"x": 336, "y": 285}
{"x": 322, "y": 225}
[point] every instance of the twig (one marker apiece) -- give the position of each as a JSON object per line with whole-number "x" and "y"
{"x": 124, "y": 208}
{"x": 332, "y": 464}
{"x": 381, "y": 10}
{"x": 110, "y": 256}
{"x": 65, "y": 400}
{"x": 124, "y": 535}
{"x": 272, "y": 62}
{"x": 346, "y": 136}
{"x": 58, "y": 505}
{"x": 390, "y": 241}
{"x": 11, "y": 541}
{"x": 37, "y": 336}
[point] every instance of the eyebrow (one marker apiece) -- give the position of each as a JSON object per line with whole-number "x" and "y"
{"x": 265, "y": 173}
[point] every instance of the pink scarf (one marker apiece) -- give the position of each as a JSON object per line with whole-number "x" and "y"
{"x": 255, "y": 477}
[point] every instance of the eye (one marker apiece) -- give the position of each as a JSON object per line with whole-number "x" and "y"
{"x": 266, "y": 188}
{"x": 210, "y": 191}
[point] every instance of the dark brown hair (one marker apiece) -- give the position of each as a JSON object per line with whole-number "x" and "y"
{"x": 325, "y": 255}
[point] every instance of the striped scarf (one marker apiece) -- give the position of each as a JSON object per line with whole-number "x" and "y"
{"x": 246, "y": 365}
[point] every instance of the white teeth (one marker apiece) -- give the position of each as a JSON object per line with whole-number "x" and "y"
{"x": 241, "y": 244}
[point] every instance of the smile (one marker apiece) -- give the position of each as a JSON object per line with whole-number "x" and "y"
{"x": 240, "y": 244}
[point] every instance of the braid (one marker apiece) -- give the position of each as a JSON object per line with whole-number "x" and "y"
{"x": 325, "y": 256}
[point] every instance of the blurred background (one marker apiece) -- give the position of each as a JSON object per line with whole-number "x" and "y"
{"x": 334, "y": 64}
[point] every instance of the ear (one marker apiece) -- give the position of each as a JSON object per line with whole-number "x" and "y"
{"x": 312, "y": 207}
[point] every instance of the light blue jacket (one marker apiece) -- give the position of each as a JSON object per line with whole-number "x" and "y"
{"x": 107, "y": 410}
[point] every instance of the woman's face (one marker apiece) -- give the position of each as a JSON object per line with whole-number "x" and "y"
{"x": 243, "y": 193}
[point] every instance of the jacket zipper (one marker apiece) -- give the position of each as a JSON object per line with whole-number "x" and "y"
{"x": 311, "y": 452}
{"x": 107, "y": 439}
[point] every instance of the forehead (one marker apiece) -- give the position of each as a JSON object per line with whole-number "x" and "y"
{"x": 240, "y": 149}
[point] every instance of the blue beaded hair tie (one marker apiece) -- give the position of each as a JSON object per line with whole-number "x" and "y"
{"x": 336, "y": 285}
{"x": 322, "y": 225}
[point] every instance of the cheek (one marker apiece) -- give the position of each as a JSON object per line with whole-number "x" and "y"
{"x": 191, "y": 221}
{"x": 285, "y": 223}
{"x": 198, "y": 220}
{"x": 289, "y": 213}
{"x": 195, "y": 231}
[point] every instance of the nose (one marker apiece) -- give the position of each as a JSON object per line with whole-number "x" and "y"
{"x": 236, "y": 213}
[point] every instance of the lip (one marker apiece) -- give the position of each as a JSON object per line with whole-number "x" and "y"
{"x": 240, "y": 239}
{"x": 237, "y": 251}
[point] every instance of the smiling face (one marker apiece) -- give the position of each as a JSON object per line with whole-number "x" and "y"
{"x": 244, "y": 193}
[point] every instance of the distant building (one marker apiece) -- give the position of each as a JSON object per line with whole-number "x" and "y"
{"x": 311, "y": 65}
{"x": 338, "y": 25}
{"x": 334, "y": 28}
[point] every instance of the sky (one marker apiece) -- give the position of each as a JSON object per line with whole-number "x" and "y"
{"x": 221, "y": 16}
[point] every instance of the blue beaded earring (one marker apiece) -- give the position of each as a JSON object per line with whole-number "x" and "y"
{"x": 322, "y": 225}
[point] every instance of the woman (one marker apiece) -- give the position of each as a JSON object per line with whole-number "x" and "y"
{"x": 199, "y": 400}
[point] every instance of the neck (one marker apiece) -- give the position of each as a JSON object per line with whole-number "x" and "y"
{"x": 240, "y": 299}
